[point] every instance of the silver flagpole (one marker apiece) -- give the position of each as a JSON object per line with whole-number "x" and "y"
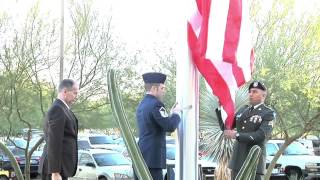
{"x": 61, "y": 40}
{"x": 186, "y": 167}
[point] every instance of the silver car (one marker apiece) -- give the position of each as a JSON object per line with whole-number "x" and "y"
{"x": 102, "y": 164}
{"x": 99, "y": 141}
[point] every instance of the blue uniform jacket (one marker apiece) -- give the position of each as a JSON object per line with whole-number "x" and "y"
{"x": 153, "y": 123}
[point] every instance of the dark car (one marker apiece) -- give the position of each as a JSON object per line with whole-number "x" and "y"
{"x": 5, "y": 174}
{"x": 277, "y": 172}
{"x": 34, "y": 161}
{"x": 20, "y": 157}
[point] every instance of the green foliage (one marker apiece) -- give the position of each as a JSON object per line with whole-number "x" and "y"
{"x": 287, "y": 60}
{"x": 28, "y": 68}
{"x": 139, "y": 165}
{"x": 168, "y": 66}
{"x": 214, "y": 142}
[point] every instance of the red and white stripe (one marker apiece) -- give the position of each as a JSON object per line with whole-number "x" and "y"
{"x": 220, "y": 45}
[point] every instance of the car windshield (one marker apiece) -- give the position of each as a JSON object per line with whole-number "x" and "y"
{"x": 119, "y": 141}
{"x": 110, "y": 159}
{"x": 18, "y": 152}
{"x": 296, "y": 149}
{"x": 101, "y": 140}
{"x": 18, "y": 142}
{"x": 170, "y": 140}
{"x": 83, "y": 144}
{"x": 34, "y": 141}
{"x": 271, "y": 149}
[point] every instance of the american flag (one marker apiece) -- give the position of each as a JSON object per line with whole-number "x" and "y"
{"x": 219, "y": 38}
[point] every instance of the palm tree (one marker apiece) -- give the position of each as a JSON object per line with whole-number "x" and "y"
{"x": 214, "y": 144}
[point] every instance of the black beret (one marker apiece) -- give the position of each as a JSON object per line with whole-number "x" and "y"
{"x": 154, "y": 77}
{"x": 258, "y": 85}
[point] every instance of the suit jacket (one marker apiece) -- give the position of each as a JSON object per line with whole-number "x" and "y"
{"x": 254, "y": 128}
{"x": 153, "y": 123}
{"x": 60, "y": 153}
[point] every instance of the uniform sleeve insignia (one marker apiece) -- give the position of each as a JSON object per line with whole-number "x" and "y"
{"x": 163, "y": 112}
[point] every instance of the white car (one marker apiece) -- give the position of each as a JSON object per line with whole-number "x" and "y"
{"x": 102, "y": 164}
{"x": 99, "y": 141}
{"x": 308, "y": 144}
{"x": 207, "y": 167}
{"x": 296, "y": 159}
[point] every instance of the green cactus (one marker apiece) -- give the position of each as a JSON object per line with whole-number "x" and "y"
{"x": 13, "y": 161}
{"x": 139, "y": 164}
{"x": 249, "y": 167}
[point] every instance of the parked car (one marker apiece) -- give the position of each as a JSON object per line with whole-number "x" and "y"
{"x": 170, "y": 140}
{"x": 99, "y": 141}
{"x": 119, "y": 141}
{"x": 22, "y": 143}
{"x": 83, "y": 144}
{"x": 307, "y": 144}
{"x": 102, "y": 164}
{"x": 20, "y": 157}
{"x": 296, "y": 160}
{"x": 16, "y": 142}
{"x": 277, "y": 172}
{"x": 34, "y": 161}
{"x": 33, "y": 132}
{"x": 316, "y": 145}
{"x": 4, "y": 173}
{"x": 207, "y": 167}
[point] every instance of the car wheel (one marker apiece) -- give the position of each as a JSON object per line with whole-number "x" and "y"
{"x": 294, "y": 174}
{"x": 103, "y": 178}
{"x": 4, "y": 178}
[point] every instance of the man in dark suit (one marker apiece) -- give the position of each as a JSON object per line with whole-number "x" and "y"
{"x": 60, "y": 157}
{"x": 153, "y": 123}
{"x": 254, "y": 125}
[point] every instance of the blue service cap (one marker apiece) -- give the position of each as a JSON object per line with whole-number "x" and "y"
{"x": 258, "y": 85}
{"x": 154, "y": 77}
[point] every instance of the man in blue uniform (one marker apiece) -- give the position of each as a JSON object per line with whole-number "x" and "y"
{"x": 254, "y": 125}
{"x": 153, "y": 123}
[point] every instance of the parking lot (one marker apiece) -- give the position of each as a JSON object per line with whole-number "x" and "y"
{"x": 101, "y": 155}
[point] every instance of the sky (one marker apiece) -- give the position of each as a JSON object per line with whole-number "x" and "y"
{"x": 134, "y": 21}
{"x": 139, "y": 24}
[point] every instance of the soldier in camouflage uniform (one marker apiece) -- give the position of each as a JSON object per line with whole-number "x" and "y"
{"x": 254, "y": 125}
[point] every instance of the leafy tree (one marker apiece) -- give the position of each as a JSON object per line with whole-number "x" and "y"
{"x": 28, "y": 64}
{"x": 287, "y": 60}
